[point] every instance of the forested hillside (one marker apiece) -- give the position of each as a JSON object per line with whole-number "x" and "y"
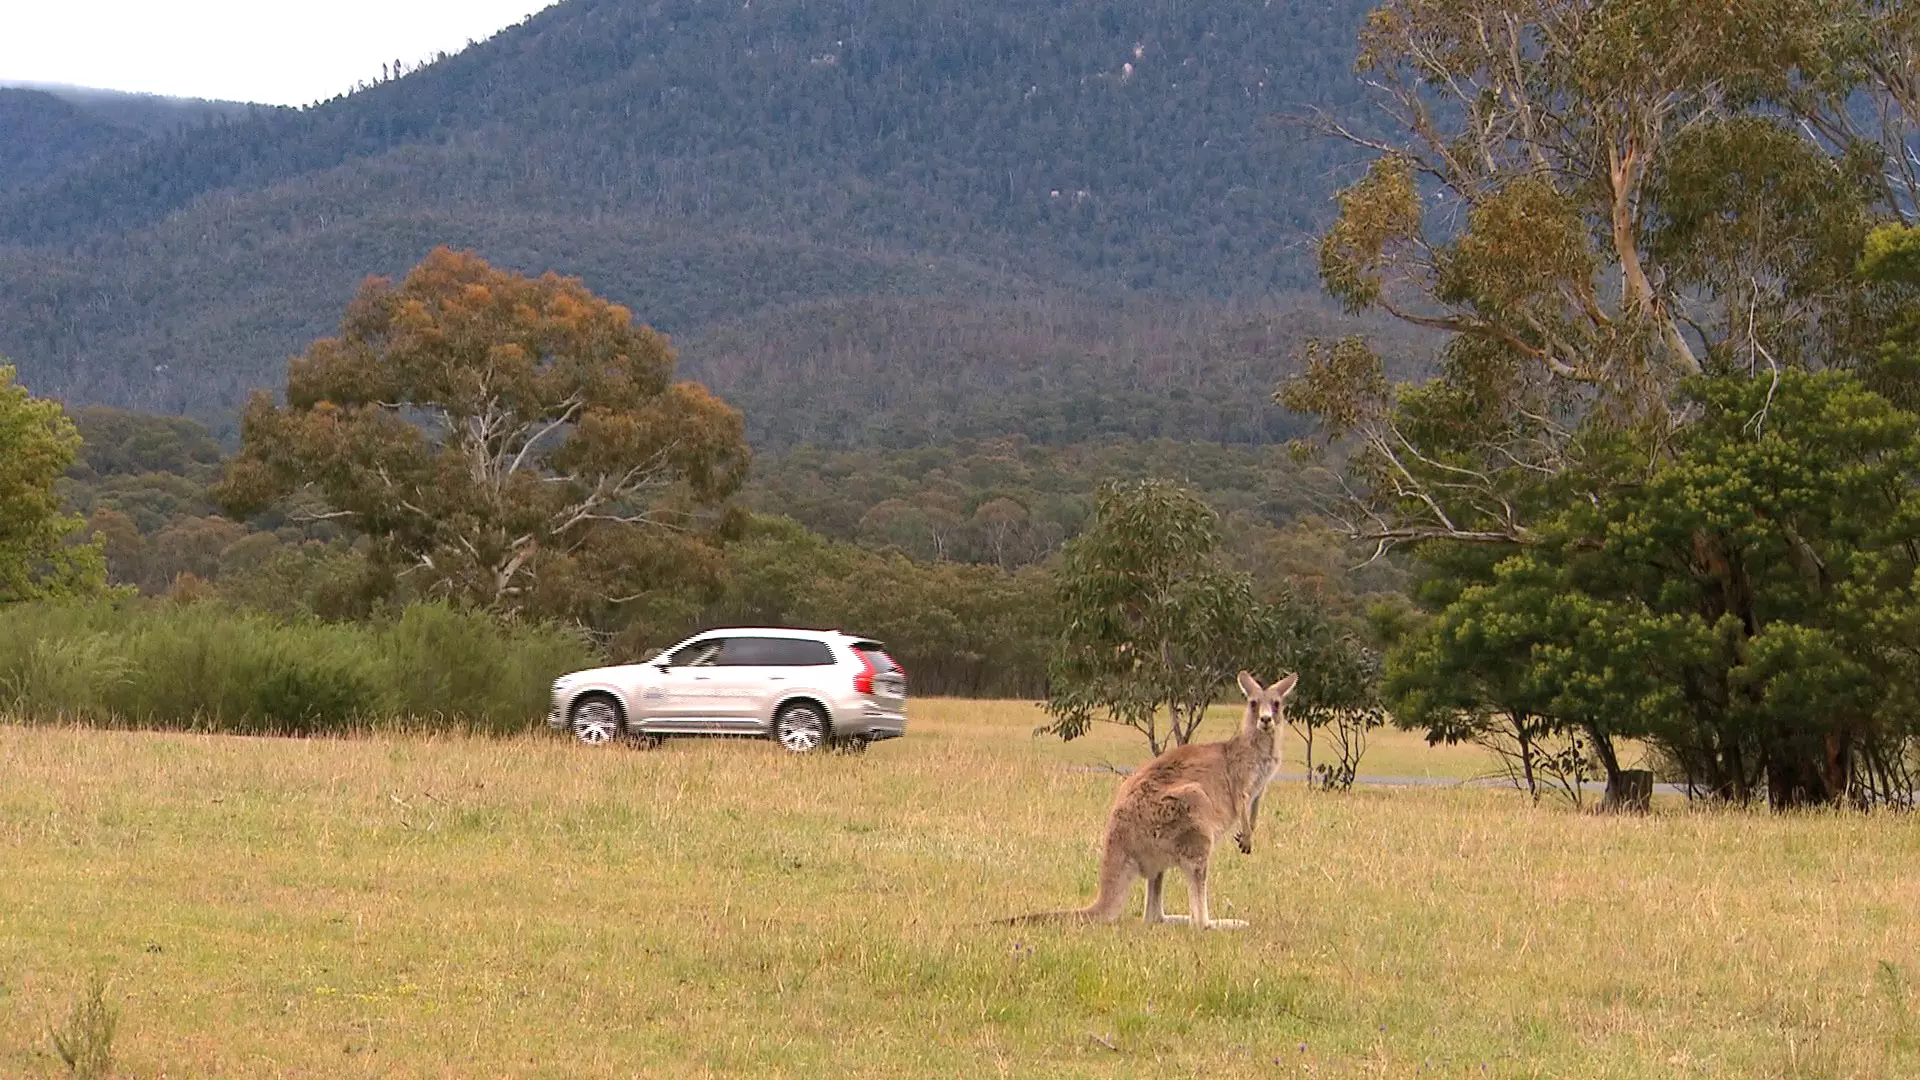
{"x": 44, "y": 136}
{"x": 154, "y": 115}
{"x": 48, "y": 131}
{"x": 908, "y": 372}
{"x": 731, "y": 170}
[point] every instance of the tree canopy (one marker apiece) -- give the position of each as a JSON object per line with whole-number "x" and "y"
{"x": 1660, "y": 480}
{"x": 1153, "y": 623}
{"x": 1151, "y": 619}
{"x": 41, "y": 553}
{"x": 512, "y": 442}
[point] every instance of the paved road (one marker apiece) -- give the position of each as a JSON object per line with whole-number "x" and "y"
{"x": 1412, "y": 781}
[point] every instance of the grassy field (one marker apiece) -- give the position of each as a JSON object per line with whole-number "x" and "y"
{"x": 415, "y": 907}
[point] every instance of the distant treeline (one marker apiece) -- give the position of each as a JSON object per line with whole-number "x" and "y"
{"x": 902, "y": 373}
{"x": 944, "y": 552}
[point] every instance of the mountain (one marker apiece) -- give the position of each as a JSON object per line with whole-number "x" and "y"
{"x": 151, "y": 114}
{"x": 46, "y": 136}
{"x": 1111, "y": 170}
{"x": 50, "y": 130}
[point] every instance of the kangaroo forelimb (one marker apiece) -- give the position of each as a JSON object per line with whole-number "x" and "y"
{"x": 1244, "y": 837}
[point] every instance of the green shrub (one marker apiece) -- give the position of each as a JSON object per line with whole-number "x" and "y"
{"x": 463, "y": 666}
{"x": 208, "y": 666}
{"x": 69, "y": 675}
{"x": 58, "y": 660}
{"x": 300, "y": 691}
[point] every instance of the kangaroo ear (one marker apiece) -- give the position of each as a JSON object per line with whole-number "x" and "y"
{"x": 1249, "y": 685}
{"x": 1285, "y": 686}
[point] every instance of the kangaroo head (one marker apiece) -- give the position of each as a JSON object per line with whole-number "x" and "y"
{"x": 1266, "y": 705}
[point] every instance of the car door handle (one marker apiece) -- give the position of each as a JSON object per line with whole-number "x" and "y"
{"x": 776, "y": 678}
{"x": 701, "y": 678}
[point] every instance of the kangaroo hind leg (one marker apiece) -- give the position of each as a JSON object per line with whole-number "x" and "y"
{"x": 1197, "y": 893}
{"x": 1156, "y": 909}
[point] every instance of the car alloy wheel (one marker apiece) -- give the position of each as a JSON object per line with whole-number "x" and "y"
{"x": 800, "y": 728}
{"x": 595, "y": 720}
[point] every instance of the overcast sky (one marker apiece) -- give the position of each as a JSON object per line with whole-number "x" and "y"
{"x": 280, "y": 52}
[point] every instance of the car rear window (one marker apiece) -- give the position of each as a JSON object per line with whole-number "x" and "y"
{"x": 877, "y": 656}
{"x": 774, "y": 652}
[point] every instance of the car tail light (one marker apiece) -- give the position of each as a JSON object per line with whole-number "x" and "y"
{"x": 863, "y": 682}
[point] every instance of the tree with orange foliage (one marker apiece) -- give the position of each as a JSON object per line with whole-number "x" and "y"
{"x": 511, "y": 442}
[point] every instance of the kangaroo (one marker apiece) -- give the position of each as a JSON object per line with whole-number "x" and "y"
{"x": 1171, "y": 810}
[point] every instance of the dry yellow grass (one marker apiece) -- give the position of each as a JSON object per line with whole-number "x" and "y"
{"x": 415, "y": 907}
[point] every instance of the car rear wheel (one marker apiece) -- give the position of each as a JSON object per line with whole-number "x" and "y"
{"x": 594, "y": 719}
{"x": 801, "y": 728}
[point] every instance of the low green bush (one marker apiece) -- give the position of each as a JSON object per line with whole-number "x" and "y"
{"x": 445, "y": 662}
{"x": 159, "y": 664}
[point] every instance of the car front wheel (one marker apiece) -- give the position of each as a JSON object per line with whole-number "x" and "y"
{"x": 801, "y": 728}
{"x": 595, "y": 720}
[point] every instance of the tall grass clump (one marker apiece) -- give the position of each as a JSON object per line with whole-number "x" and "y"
{"x": 209, "y": 666}
{"x": 58, "y": 658}
{"x": 203, "y": 665}
{"x": 85, "y": 1043}
{"x": 448, "y": 663}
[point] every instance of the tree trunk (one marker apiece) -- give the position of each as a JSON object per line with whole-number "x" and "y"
{"x": 1526, "y": 754}
{"x": 1617, "y": 792}
{"x": 1186, "y": 721}
{"x": 1838, "y": 769}
{"x": 1797, "y": 779}
{"x": 1630, "y": 793}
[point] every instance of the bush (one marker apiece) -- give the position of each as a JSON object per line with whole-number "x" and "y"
{"x": 164, "y": 665}
{"x": 449, "y": 663}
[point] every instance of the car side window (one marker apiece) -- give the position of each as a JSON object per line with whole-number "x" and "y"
{"x": 744, "y": 652}
{"x": 698, "y": 654}
{"x": 811, "y": 654}
{"x": 774, "y": 652}
{"x": 797, "y": 653}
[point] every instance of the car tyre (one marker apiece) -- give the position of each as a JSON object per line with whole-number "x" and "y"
{"x": 594, "y": 719}
{"x": 800, "y": 728}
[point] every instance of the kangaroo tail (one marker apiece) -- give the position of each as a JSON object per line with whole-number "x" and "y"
{"x": 1066, "y": 915}
{"x": 1116, "y": 877}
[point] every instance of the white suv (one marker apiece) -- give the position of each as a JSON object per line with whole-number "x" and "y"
{"x": 803, "y": 688}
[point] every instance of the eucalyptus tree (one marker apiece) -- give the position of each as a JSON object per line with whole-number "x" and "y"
{"x": 1627, "y": 221}
{"x": 513, "y": 442}
{"x": 1591, "y": 202}
{"x": 1153, "y": 624}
